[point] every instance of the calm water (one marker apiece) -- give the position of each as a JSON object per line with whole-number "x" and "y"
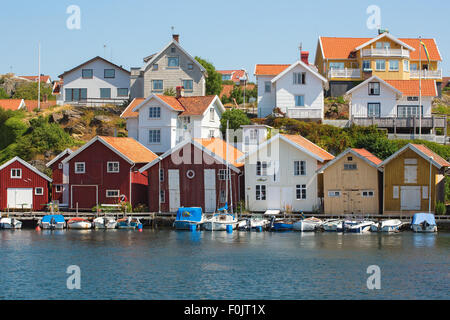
{"x": 165, "y": 264}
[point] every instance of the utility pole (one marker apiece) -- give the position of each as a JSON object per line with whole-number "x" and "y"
{"x": 420, "y": 88}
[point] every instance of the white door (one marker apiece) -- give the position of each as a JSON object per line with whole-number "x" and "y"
{"x": 410, "y": 198}
{"x": 210, "y": 190}
{"x": 273, "y": 198}
{"x": 287, "y": 195}
{"x": 20, "y": 198}
{"x": 174, "y": 190}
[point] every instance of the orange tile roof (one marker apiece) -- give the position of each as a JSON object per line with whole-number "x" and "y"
{"x": 128, "y": 112}
{"x": 35, "y": 78}
{"x": 220, "y": 148}
{"x": 33, "y": 104}
{"x": 226, "y": 90}
{"x": 411, "y": 87}
{"x": 236, "y": 75}
{"x": 171, "y": 101}
{"x": 366, "y": 154}
{"x": 270, "y": 69}
{"x": 10, "y": 104}
{"x": 131, "y": 148}
{"x": 430, "y": 153}
{"x": 308, "y": 145}
{"x": 195, "y": 106}
{"x": 341, "y": 47}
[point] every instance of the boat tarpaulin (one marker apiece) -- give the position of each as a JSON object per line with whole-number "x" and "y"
{"x": 189, "y": 214}
{"x": 56, "y": 217}
{"x": 272, "y": 212}
{"x": 418, "y": 218}
{"x": 225, "y": 207}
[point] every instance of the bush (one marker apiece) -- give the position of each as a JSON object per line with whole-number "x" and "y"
{"x": 440, "y": 208}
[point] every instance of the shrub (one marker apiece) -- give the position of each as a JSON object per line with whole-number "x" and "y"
{"x": 440, "y": 208}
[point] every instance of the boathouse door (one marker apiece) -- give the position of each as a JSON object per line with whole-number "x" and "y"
{"x": 210, "y": 190}
{"x": 410, "y": 198}
{"x": 19, "y": 198}
{"x": 174, "y": 190}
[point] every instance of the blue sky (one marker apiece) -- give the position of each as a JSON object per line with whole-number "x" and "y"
{"x": 231, "y": 34}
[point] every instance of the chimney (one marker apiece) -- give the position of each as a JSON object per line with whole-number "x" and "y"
{"x": 176, "y": 37}
{"x": 304, "y": 57}
{"x": 179, "y": 92}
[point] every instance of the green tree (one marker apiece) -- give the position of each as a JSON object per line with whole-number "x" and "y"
{"x": 236, "y": 118}
{"x": 170, "y": 92}
{"x": 29, "y": 91}
{"x": 3, "y": 94}
{"x": 213, "y": 80}
{"x": 11, "y": 130}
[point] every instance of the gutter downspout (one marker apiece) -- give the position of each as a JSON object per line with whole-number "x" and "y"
{"x": 429, "y": 189}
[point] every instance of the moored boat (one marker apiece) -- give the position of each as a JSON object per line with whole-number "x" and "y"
{"x": 281, "y": 224}
{"x": 308, "y": 224}
{"x": 219, "y": 222}
{"x": 391, "y": 225}
{"x": 188, "y": 218}
{"x": 256, "y": 222}
{"x": 79, "y": 223}
{"x": 129, "y": 223}
{"x": 424, "y": 222}
{"x": 10, "y": 223}
{"x": 52, "y": 221}
{"x": 333, "y": 225}
{"x": 355, "y": 226}
{"x": 105, "y": 223}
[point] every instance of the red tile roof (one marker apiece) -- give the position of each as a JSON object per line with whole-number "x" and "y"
{"x": 308, "y": 145}
{"x": 33, "y": 104}
{"x": 411, "y": 87}
{"x": 422, "y": 148}
{"x": 128, "y": 112}
{"x": 270, "y": 69}
{"x": 10, "y": 104}
{"x": 131, "y": 148}
{"x": 219, "y": 147}
{"x": 341, "y": 47}
{"x": 370, "y": 157}
{"x": 236, "y": 75}
{"x": 35, "y": 78}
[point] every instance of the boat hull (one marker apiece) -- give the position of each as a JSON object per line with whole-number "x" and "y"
{"x": 420, "y": 229}
{"x": 282, "y": 226}
{"x": 303, "y": 225}
{"x": 79, "y": 225}
{"x": 218, "y": 226}
{"x": 184, "y": 225}
{"x": 56, "y": 226}
{"x": 10, "y": 224}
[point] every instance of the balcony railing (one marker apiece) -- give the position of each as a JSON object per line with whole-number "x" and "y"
{"x": 304, "y": 113}
{"x": 344, "y": 73}
{"x": 385, "y": 52}
{"x": 426, "y": 74}
{"x": 410, "y": 122}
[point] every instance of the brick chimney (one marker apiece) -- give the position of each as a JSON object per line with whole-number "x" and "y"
{"x": 179, "y": 93}
{"x": 176, "y": 37}
{"x": 304, "y": 56}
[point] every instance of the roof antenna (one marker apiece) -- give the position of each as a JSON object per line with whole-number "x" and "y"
{"x": 300, "y": 47}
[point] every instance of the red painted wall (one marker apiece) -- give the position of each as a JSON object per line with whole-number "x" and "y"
{"x": 57, "y": 177}
{"x": 29, "y": 179}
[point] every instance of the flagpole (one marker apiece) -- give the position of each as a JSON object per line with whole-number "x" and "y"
{"x": 420, "y": 88}
{"x": 39, "y": 76}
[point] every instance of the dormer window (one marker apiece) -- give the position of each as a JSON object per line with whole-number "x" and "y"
{"x": 374, "y": 88}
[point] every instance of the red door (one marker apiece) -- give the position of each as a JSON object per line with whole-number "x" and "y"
{"x": 85, "y": 196}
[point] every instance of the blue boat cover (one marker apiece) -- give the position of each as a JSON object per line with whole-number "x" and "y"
{"x": 225, "y": 207}
{"x": 421, "y": 217}
{"x": 57, "y": 217}
{"x": 189, "y": 214}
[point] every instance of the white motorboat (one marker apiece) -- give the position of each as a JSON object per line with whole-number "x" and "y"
{"x": 355, "y": 226}
{"x": 334, "y": 225}
{"x": 219, "y": 222}
{"x": 424, "y": 222}
{"x": 308, "y": 224}
{"x": 129, "y": 223}
{"x": 105, "y": 223}
{"x": 391, "y": 225}
{"x": 52, "y": 221}
{"x": 10, "y": 223}
{"x": 256, "y": 222}
{"x": 79, "y": 223}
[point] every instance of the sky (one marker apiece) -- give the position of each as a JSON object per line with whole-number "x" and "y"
{"x": 232, "y": 34}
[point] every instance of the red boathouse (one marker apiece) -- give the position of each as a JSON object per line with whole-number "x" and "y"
{"x": 60, "y": 187}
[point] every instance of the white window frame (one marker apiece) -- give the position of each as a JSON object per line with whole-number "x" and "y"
{"x": 267, "y": 87}
{"x": 76, "y": 167}
{"x": 60, "y": 187}
{"x": 298, "y": 164}
{"x": 60, "y": 165}
{"x": 222, "y": 196}
{"x": 376, "y": 65}
{"x": 154, "y": 112}
{"x": 157, "y": 89}
{"x": 259, "y": 195}
{"x": 212, "y": 112}
{"x": 368, "y": 193}
{"x": 390, "y": 65}
{"x": 36, "y": 193}
{"x": 113, "y": 164}
{"x": 424, "y": 192}
{"x": 261, "y": 168}
{"x": 303, "y": 192}
{"x": 370, "y": 66}
{"x": 222, "y": 174}
{"x": 405, "y": 65}
{"x": 299, "y": 78}
{"x": 112, "y": 196}
{"x": 395, "y": 192}
{"x": 173, "y": 67}
{"x": 334, "y": 193}
{"x": 154, "y": 142}
{"x": 303, "y": 100}
{"x": 15, "y": 176}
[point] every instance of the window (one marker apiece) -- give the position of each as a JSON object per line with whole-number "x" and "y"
{"x": 113, "y": 167}
{"x": 299, "y": 77}
{"x": 267, "y": 86}
{"x": 350, "y": 166}
{"x": 154, "y": 112}
{"x": 260, "y": 192}
{"x": 337, "y": 65}
{"x": 261, "y": 168}
{"x": 393, "y": 65}
{"x": 39, "y": 191}
{"x": 109, "y": 73}
{"x": 16, "y": 173}
{"x": 334, "y": 194}
{"x": 299, "y": 101}
{"x": 408, "y": 111}
{"x": 425, "y": 192}
{"x": 87, "y": 73}
{"x": 162, "y": 196}
{"x": 157, "y": 85}
{"x": 380, "y": 65}
{"x": 155, "y": 67}
{"x": 161, "y": 175}
{"x": 374, "y": 88}
{"x": 80, "y": 167}
{"x": 154, "y": 136}
{"x": 188, "y": 85}
{"x": 60, "y": 165}
{"x": 395, "y": 192}
{"x": 172, "y": 50}
{"x": 112, "y": 193}
{"x": 226, "y": 77}
{"x": 367, "y": 194}
{"x": 105, "y": 93}
{"x": 223, "y": 197}
{"x": 366, "y": 65}
{"x": 173, "y": 62}
{"x": 211, "y": 133}
{"x": 382, "y": 45}
{"x": 406, "y": 65}
{"x": 300, "y": 192}
{"x": 412, "y": 98}
{"x": 349, "y": 158}
{"x": 254, "y": 134}
{"x": 373, "y": 110}
{"x": 211, "y": 114}
{"x": 413, "y": 66}
{"x": 76, "y": 94}
{"x": 299, "y": 168}
{"x": 222, "y": 174}
{"x": 190, "y": 66}
{"x": 122, "y": 92}
{"x": 410, "y": 170}
{"x": 58, "y": 188}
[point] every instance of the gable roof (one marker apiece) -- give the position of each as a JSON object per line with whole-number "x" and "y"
{"x": 302, "y": 64}
{"x": 44, "y": 78}
{"x": 363, "y": 154}
{"x": 128, "y": 148}
{"x": 365, "y": 82}
{"x": 214, "y": 147}
{"x": 128, "y": 112}
{"x": 424, "y": 152}
{"x": 26, "y": 164}
{"x": 411, "y": 87}
{"x": 387, "y": 35}
{"x": 151, "y": 59}
{"x": 59, "y": 156}
{"x": 92, "y": 60}
{"x": 339, "y": 48}
{"x": 12, "y": 104}
{"x": 270, "y": 69}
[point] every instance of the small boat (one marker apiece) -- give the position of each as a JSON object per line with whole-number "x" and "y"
{"x": 188, "y": 218}
{"x": 308, "y": 224}
{"x": 256, "y": 222}
{"x": 424, "y": 222}
{"x": 391, "y": 225}
{"x": 354, "y": 226}
{"x": 105, "y": 223}
{"x": 279, "y": 224}
{"x": 334, "y": 225}
{"x": 79, "y": 223}
{"x": 219, "y": 222}
{"x": 52, "y": 221}
{"x": 129, "y": 223}
{"x": 10, "y": 223}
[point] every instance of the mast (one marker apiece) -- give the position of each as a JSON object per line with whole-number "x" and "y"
{"x": 420, "y": 88}
{"x": 226, "y": 161}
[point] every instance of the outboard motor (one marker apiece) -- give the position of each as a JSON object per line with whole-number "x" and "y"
{"x": 272, "y": 221}
{"x": 249, "y": 224}
{"x": 52, "y": 223}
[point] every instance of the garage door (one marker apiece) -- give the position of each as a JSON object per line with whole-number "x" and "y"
{"x": 19, "y": 198}
{"x": 85, "y": 196}
{"x": 410, "y": 198}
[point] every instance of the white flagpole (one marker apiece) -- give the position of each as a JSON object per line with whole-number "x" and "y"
{"x": 39, "y": 76}
{"x": 420, "y": 89}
